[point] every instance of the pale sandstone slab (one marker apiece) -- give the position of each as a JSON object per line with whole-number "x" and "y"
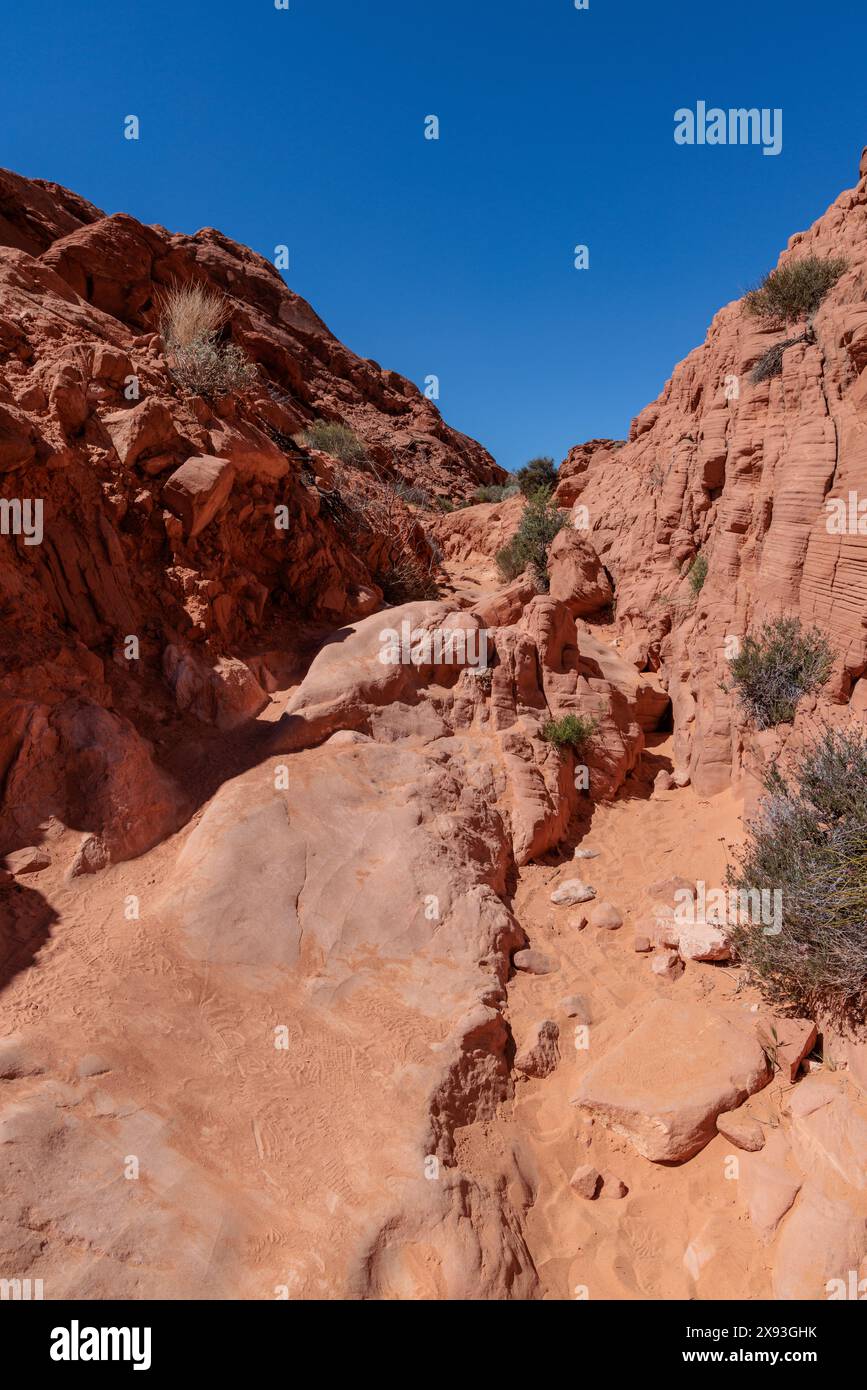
{"x": 665, "y": 1084}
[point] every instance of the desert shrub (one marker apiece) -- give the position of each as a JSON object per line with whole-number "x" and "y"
{"x": 809, "y": 842}
{"x": 416, "y": 496}
{"x": 492, "y": 493}
{"x": 572, "y": 731}
{"x": 697, "y": 573}
{"x": 776, "y": 666}
{"x": 371, "y": 514}
{"x": 796, "y": 290}
{"x": 190, "y": 313}
{"x": 540, "y": 472}
{"x": 336, "y": 439}
{"x": 191, "y": 317}
{"x": 541, "y": 520}
{"x": 208, "y": 368}
{"x": 771, "y": 363}
{"x": 409, "y": 578}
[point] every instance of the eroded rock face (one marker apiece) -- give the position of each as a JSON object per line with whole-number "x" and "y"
{"x": 741, "y": 473}
{"x": 160, "y": 508}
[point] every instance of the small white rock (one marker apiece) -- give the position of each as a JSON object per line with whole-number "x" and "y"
{"x": 571, "y": 892}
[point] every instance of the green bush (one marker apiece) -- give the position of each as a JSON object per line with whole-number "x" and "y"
{"x": 809, "y": 841}
{"x": 776, "y": 666}
{"x": 336, "y": 439}
{"x": 540, "y": 472}
{"x": 572, "y": 731}
{"x": 697, "y": 573}
{"x": 796, "y": 290}
{"x": 540, "y": 522}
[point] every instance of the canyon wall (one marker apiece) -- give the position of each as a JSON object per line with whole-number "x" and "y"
{"x": 741, "y": 473}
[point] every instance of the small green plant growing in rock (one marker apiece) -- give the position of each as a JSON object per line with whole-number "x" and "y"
{"x": 697, "y": 574}
{"x": 538, "y": 473}
{"x": 191, "y": 318}
{"x": 572, "y": 731}
{"x": 809, "y": 842}
{"x": 776, "y": 666}
{"x": 794, "y": 291}
{"x": 541, "y": 520}
{"x": 336, "y": 439}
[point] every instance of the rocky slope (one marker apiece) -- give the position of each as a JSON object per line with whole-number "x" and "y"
{"x": 93, "y": 425}
{"x": 304, "y": 995}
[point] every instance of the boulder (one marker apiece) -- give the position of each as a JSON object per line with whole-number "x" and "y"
{"x": 612, "y": 1187}
{"x": 142, "y": 430}
{"x": 787, "y": 1041}
{"x": 742, "y": 1130}
{"x": 585, "y": 1181}
{"x": 226, "y": 694}
{"x": 703, "y": 941}
{"x": 572, "y": 891}
{"x": 577, "y": 575}
{"x": 664, "y": 1085}
{"x": 667, "y": 964}
{"x": 197, "y": 490}
{"x": 534, "y": 962}
{"x": 606, "y": 915}
{"x": 576, "y": 1006}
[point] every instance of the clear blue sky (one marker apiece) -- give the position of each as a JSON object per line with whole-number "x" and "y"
{"x": 455, "y": 257}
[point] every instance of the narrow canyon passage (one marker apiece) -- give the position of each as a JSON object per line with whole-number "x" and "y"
{"x": 335, "y": 965}
{"x": 266, "y": 1088}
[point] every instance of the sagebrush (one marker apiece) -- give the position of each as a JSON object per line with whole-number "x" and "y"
{"x": 777, "y": 665}
{"x": 334, "y": 438}
{"x": 541, "y": 520}
{"x": 809, "y": 841}
{"x": 796, "y": 290}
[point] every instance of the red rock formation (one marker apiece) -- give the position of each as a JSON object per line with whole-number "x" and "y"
{"x": 741, "y": 472}
{"x": 159, "y": 507}
{"x": 297, "y": 1011}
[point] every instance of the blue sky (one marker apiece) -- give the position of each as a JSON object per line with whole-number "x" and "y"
{"x": 455, "y": 257}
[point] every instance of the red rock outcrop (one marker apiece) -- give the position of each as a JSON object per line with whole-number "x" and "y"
{"x": 158, "y": 526}
{"x": 741, "y": 473}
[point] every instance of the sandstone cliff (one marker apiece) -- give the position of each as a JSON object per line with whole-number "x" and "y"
{"x": 741, "y": 472}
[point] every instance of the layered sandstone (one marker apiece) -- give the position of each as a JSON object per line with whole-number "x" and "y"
{"x": 741, "y": 473}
